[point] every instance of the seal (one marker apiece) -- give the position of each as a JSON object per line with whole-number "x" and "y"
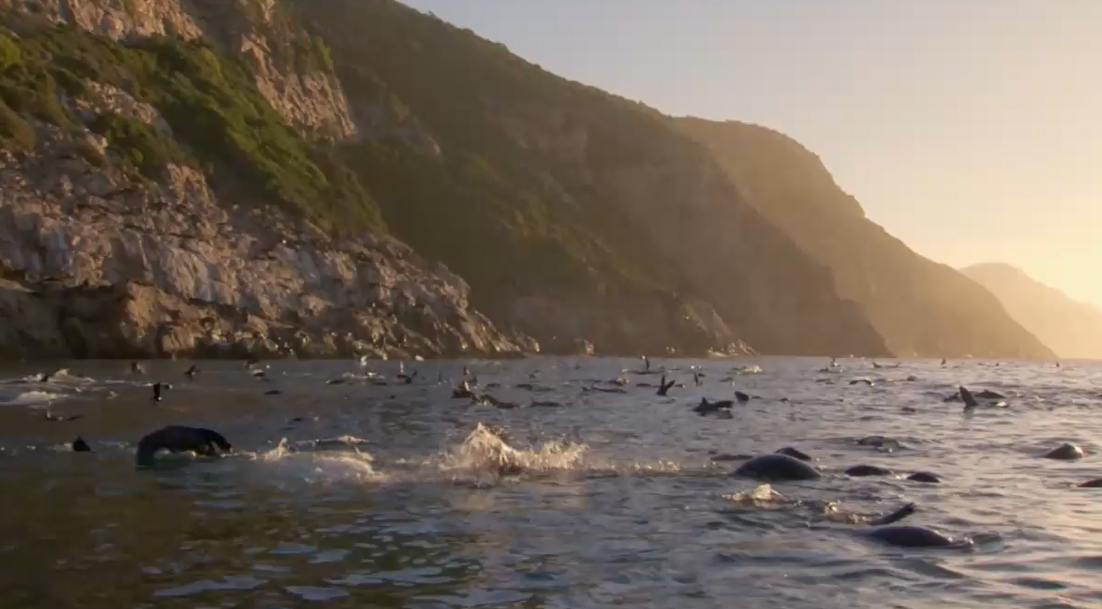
{"x": 868, "y": 470}
{"x": 706, "y": 407}
{"x": 914, "y": 537}
{"x": 1096, "y": 483}
{"x": 1065, "y": 452}
{"x": 924, "y": 477}
{"x": 900, "y": 536}
{"x": 80, "y": 446}
{"x": 179, "y": 438}
{"x": 776, "y": 467}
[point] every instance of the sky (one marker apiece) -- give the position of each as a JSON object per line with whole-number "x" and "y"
{"x": 970, "y": 129}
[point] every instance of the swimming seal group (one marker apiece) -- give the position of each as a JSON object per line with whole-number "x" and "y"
{"x": 787, "y": 464}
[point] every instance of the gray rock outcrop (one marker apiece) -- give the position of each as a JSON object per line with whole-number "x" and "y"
{"x": 96, "y": 264}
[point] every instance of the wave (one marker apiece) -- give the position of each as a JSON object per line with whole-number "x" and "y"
{"x": 30, "y": 398}
{"x": 319, "y": 466}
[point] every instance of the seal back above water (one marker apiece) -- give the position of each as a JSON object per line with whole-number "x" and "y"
{"x": 868, "y": 470}
{"x": 776, "y": 467}
{"x": 911, "y": 537}
{"x": 1065, "y": 452}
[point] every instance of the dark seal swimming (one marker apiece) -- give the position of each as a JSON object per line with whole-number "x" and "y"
{"x": 776, "y": 467}
{"x": 178, "y": 439}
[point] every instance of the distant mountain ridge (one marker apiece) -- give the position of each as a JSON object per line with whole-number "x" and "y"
{"x": 1071, "y": 328}
{"x": 920, "y": 308}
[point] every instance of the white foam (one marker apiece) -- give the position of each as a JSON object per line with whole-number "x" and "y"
{"x": 484, "y": 450}
{"x": 762, "y": 494}
{"x": 319, "y": 466}
{"x": 31, "y": 398}
{"x": 315, "y": 593}
{"x": 228, "y": 583}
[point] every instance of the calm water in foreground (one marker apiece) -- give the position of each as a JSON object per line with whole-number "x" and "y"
{"x": 618, "y": 501}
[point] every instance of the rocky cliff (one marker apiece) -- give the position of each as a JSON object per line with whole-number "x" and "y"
{"x": 573, "y": 213}
{"x": 919, "y": 307}
{"x": 209, "y": 177}
{"x": 289, "y": 67}
{"x": 114, "y": 244}
{"x": 1071, "y": 328}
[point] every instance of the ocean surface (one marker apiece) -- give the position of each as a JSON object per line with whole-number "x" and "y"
{"x": 600, "y": 494}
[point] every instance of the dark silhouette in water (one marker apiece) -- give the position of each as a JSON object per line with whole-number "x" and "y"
{"x": 907, "y": 536}
{"x": 136, "y": 368}
{"x": 779, "y": 467}
{"x": 1065, "y": 452}
{"x": 664, "y": 387}
{"x": 1096, "y": 483}
{"x": 190, "y": 372}
{"x": 179, "y": 438}
{"x": 868, "y": 470}
{"x": 895, "y": 516}
{"x": 742, "y": 397}
{"x": 912, "y": 537}
{"x": 408, "y": 378}
{"x": 969, "y": 400}
{"x": 158, "y": 388}
{"x": 706, "y": 407}
{"x": 924, "y": 477}
{"x": 80, "y": 446}
{"x": 463, "y": 390}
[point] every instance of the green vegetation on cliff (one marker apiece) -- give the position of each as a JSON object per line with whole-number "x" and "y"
{"x": 571, "y": 212}
{"x": 548, "y": 188}
{"x": 210, "y": 100}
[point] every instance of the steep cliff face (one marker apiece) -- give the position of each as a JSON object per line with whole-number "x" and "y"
{"x": 204, "y": 177}
{"x": 113, "y": 243}
{"x": 570, "y": 211}
{"x": 1071, "y": 328}
{"x": 161, "y": 269}
{"x": 921, "y": 308}
{"x": 290, "y": 68}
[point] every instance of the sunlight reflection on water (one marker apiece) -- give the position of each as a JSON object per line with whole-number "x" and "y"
{"x": 603, "y": 499}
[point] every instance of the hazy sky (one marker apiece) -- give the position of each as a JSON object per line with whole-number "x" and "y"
{"x": 971, "y": 129}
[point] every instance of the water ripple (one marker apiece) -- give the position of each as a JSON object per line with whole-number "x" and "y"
{"x": 358, "y": 495}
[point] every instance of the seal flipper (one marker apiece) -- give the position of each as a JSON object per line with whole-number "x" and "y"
{"x": 895, "y": 516}
{"x": 663, "y": 386}
{"x": 968, "y": 399}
